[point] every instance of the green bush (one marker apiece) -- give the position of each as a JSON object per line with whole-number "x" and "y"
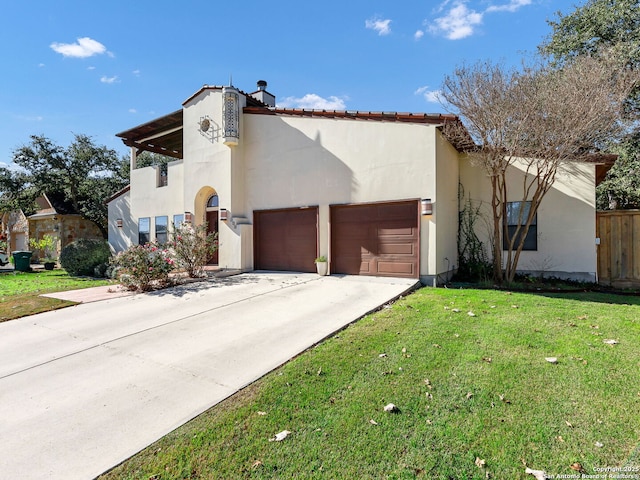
{"x": 144, "y": 267}
{"x": 83, "y": 256}
{"x": 192, "y": 247}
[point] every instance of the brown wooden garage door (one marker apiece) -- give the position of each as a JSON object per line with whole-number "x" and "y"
{"x": 286, "y": 239}
{"x": 379, "y": 239}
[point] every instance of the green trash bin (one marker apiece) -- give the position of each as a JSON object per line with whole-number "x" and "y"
{"x": 22, "y": 261}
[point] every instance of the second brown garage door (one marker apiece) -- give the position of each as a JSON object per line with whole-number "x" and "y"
{"x": 379, "y": 239}
{"x": 286, "y": 239}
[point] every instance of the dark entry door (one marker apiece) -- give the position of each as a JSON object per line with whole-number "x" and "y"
{"x": 212, "y": 227}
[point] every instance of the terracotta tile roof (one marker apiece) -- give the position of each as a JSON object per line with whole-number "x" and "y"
{"x": 461, "y": 140}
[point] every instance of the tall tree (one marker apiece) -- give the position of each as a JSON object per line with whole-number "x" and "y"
{"x": 540, "y": 119}
{"x": 83, "y": 172}
{"x": 611, "y": 28}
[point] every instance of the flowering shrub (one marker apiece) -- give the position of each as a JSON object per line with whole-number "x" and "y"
{"x": 143, "y": 267}
{"x": 192, "y": 247}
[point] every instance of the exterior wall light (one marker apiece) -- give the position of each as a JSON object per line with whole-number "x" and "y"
{"x": 427, "y": 206}
{"x": 224, "y": 214}
{"x": 188, "y": 217}
{"x": 119, "y": 223}
{"x": 230, "y": 116}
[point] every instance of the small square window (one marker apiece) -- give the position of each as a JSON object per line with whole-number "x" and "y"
{"x": 178, "y": 220}
{"x": 516, "y": 214}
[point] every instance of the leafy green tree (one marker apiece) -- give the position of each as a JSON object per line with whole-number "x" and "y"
{"x": 610, "y": 28}
{"x": 85, "y": 173}
{"x": 621, "y": 188}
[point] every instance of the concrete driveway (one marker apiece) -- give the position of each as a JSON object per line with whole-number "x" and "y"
{"x": 84, "y": 388}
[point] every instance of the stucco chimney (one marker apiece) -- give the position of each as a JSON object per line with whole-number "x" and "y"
{"x": 262, "y": 94}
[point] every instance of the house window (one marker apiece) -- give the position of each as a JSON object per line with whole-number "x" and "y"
{"x": 213, "y": 201}
{"x": 144, "y": 235}
{"x": 518, "y": 212}
{"x": 161, "y": 229}
{"x": 178, "y": 220}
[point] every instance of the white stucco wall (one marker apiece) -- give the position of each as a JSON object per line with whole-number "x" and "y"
{"x": 150, "y": 200}
{"x": 121, "y": 238}
{"x": 297, "y": 162}
{"x": 566, "y": 220}
{"x": 443, "y": 250}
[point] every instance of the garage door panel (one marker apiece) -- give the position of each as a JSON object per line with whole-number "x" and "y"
{"x": 286, "y": 239}
{"x": 397, "y": 268}
{"x": 375, "y": 239}
{"x": 407, "y": 249}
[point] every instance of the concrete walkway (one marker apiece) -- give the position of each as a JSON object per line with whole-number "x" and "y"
{"x": 84, "y": 388}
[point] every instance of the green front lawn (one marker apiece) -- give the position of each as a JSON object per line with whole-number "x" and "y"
{"x": 20, "y": 291}
{"x": 467, "y": 388}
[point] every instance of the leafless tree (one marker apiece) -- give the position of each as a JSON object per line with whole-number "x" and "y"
{"x": 543, "y": 118}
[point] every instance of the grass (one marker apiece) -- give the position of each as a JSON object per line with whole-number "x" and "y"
{"x": 20, "y": 291}
{"x": 467, "y": 388}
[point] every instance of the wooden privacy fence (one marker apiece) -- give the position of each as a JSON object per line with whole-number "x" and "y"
{"x": 619, "y": 249}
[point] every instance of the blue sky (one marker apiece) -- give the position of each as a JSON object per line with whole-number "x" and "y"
{"x": 101, "y": 67}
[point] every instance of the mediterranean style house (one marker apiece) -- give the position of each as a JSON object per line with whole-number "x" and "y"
{"x": 377, "y": 193}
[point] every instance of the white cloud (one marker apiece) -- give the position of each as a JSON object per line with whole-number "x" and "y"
{"x": 512, "y": 6}
{"x": 85, "y": 47}
{"x": 314, "y": 102}
{"x": 41, "y": 65}
{"x": 136, "y": 73}
{"x": 418, "y": 35}
{"x": 431, "y": 96}
{"x": 105, "y": 79}
{"x": 459, "y": 22}
{"x": 91, "y": 68}
{"x": 133, "y": 110}
{"x": 383, "y": 27}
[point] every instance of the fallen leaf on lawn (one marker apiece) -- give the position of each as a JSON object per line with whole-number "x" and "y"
{"x": 551, "y": 359}
{"x": 568, "y": 424}
{"x": 514, "y": 306}
{"x": 262, "y": 413}
{"x": 382, "y": 355}
{"x": 503, "y": 399}
{"x": 583, "y": 317}
{"x": 539, "y": 474}
{"x": 446, "y": 308}
{"x": 471, "y": 314}
{"x": 429, "y": 396}
{"x": 573, "y": 324}
{"x": 595, "y": 326}
{"x": 577, "y": 467}
{"x": 480, "y": 462}
{"x": 373, "y": 422}
{"x": 437, "y": 346}
{"x": 560, "y": 439}
{"x": 404, "y": 350}
{"x": 492, "y": 306}
{"x": 469, "y": 395}
{"x": 457, "y": 335}
{"x": 486, "y": 359}
{"x": 456, "y": 310}
{"x": 390, "y": 407}
{"x": 256, "y": 464}
{"x": 280, "y": 436}
{"x": 611, "y": 342}
{"x": 599, "y": 444}
{"x": 427, "y": 382}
